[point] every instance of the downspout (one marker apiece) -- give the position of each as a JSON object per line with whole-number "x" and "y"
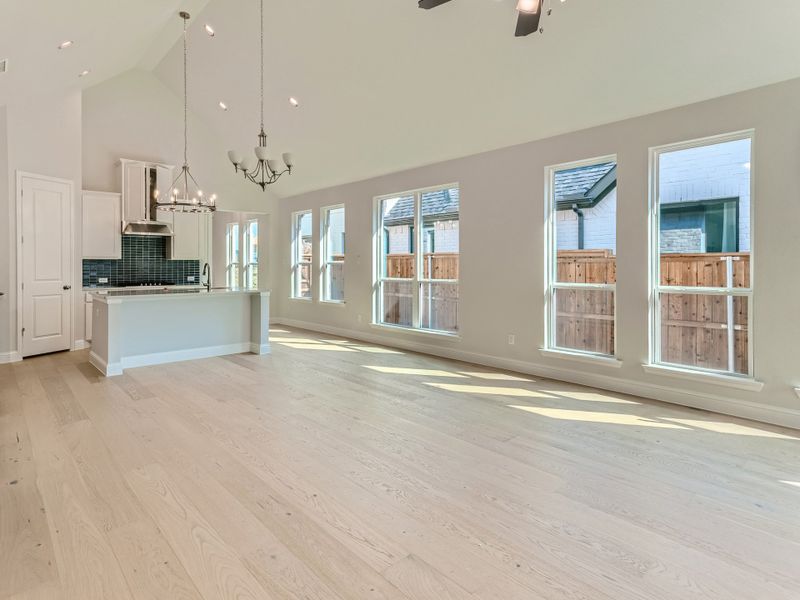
{"x": 579, "y": 212}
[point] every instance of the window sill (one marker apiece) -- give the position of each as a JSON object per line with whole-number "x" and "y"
{"x": 593, "y": 359}
{"x": 797, "y": 391}
{"x": 339, "y": 303}
{"x": 732, "y": 381}
{"x": 300, "y": 299}
{"x": 412, "y": 331}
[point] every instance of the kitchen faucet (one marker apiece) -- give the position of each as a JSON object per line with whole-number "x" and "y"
{"x": 207, "y": 275}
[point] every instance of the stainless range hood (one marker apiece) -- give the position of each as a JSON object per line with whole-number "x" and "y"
{"x": 154, "y": 228}
{"x": 141, "y": 182}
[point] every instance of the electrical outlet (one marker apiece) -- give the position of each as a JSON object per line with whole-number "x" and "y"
{"x": 512, "y": 339}
{"x": 102, "y": 280}
{"x": 190, "y": 278}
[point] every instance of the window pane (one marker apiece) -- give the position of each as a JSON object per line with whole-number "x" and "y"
{"x": 304, "y": 274}
{"x": 397, "y": 229}
{"x": 398, "y": 302}
{"x": 302, "y": 255}
{"x": 440, "y": 212}
{"x": 705, "y": 331}
{"x": 335, "y": 281}
{"x": 333, "y": 252}
{"x": 704, "y": 215}
{"x": 584, "y": 320}
{"x": 439, "y": 306}
{"x": 585, "y": 227}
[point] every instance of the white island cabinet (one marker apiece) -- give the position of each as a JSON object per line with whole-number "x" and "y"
{"x": 138, "y": 328}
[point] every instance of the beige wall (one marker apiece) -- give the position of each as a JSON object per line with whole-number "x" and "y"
{"x": 502, "y": 248}
{"x": 43, "y": 137}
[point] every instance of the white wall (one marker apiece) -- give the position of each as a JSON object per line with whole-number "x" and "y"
{"x": 43, "y": 137}
{"x": 502, "y": 246}
{"x": 5, "y": 246}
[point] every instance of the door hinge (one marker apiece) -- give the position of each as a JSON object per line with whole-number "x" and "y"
{"x": 23, "y": 331}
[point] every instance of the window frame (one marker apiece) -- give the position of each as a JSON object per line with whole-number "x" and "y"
{"x": 297, "y": 260}
{"x": 656, "y": 289}
{"x": 416, "y": 240}
{"x": 551, "y": 283}
{"x": 325, "y": 256}
{"x": 246, "y": 264}
{"x": 229, "y": 263}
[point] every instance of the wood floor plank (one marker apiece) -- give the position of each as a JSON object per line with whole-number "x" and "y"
{"x": 315, "y": 473}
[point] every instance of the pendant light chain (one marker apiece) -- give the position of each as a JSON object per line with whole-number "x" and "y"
{"x": 262, "y": 65}
{"x": 185, "y": 96}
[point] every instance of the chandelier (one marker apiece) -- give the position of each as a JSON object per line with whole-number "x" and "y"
{"x": 267, "y": 170}
{"x": 185, "y": 194}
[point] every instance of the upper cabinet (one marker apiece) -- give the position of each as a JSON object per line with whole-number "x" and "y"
{"x": 192, "y": 236}
{"x": 140, "y": 182}
{"x": 101, "y": 231}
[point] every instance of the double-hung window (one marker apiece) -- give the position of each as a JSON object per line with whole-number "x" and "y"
{"x": 417, "y": 249}
{"x": 333, "y": 248}
{"x": 701, "y": 272}
{"x": 301, "y": 255}
{"x": 251, "y": 254}
{"x": 233, "y": 255}
{"x": 581, "y": 268}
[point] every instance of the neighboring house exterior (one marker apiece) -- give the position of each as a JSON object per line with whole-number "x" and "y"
{"x": 704, "y": 193}
{"x": 440, "y": 210}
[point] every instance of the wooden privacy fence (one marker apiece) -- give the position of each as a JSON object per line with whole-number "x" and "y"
{"x": 440, "y": 265}
{"x": 696, "y": 330}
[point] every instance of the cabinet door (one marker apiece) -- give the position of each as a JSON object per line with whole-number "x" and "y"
{"x": 163, "y": 181}
{"x": 134, "y": 192}
{"x": 206, "y": 233}
{"x": 186, "y": 238}
{"x": 101, "y": 226}
{"x": 88, "y": 316}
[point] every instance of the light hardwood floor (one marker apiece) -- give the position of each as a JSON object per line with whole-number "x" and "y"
{"x": 335, "y": 470}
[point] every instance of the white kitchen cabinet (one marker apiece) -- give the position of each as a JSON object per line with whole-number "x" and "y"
{"x": 101, "y": 225}
{"x": 88, "y": 320}
{"x": 134, "y": 192}
{"x": 186, "y": 238}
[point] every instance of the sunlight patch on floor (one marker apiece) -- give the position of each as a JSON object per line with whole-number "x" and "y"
{"x": 326, "y": 347}
{"x": 409, "y": 371}
{"x": 337, "y": 341}
{"x": 604, "y": 418}
{"x": 590, "y": 397}
{"x": 495, "y": 376}
{"x": 296, "y": 340}
{"x": 731, "y": 428}
{"x": 376, "y": 350}
{"x": 488, "y": 390}
{"x": 792, "y": 483}
{"x": 271, "y": 330}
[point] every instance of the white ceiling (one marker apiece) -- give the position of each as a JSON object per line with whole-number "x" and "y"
{"x": 110, "y": 36}
{"x": 386, "y": 86}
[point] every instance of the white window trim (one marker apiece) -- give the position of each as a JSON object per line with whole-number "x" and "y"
{"x": 325, "y": 261}
{"x": 551, "y": 284}
{"x": 655, "y": 365}
{"x": 229, "y": 264}
{"x": 416, "y": 281}
{"x": 246, "y": 264}
{"x": 297, "y": 263}
{"x": 584, "y": 357}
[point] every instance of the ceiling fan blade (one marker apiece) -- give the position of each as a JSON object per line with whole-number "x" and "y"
{"x": 527, "y": 23}
{"x": 431, "y": 3}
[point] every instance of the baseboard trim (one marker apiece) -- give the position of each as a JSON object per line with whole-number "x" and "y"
{"x": 81, "y": 345}
{"x": 10, "y": 357}
{"x": 774, "y": 415}
{"x": 160, "y": 358}
{"x": 107, "y": 369}
{"x": 260, "y": 348}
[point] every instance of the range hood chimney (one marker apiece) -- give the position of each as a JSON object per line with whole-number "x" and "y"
{"x": 149, "y": 226}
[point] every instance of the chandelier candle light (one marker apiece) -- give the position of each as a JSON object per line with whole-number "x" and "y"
{"x": 185, "y": 194}
{"x": 267, "y": 170}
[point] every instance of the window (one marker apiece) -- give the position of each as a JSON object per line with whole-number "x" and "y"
{"x": 251, "y": 254}
{"x": 581, "y": 218}
{"x": 233, "y": 257}
{"x": 333, "y": 248}
{"x": 301, "y": 255}
{"x": 418, "y": 259}
{"x": 702, "y": 289}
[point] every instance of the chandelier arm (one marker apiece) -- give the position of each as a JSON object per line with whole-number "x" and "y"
{"x": 262, "y": 65}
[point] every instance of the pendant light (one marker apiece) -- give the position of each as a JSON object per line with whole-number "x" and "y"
{"x": 185, "y": 194}
{"x": 267, "y": 170}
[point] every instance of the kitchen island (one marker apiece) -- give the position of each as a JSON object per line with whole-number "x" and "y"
{"x": 134, "y": 328}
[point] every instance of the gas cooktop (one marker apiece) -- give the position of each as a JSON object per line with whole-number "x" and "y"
{"x": 146, "y": 284}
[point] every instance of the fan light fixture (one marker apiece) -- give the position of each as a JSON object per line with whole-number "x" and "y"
{"x": 267, "y": 170}
{"x": 185, "y": 194}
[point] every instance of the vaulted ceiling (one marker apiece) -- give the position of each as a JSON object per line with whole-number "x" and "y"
{"x": 386, "y": 86}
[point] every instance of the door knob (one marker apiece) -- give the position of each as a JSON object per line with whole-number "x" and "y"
{"x": 67, "y": 287}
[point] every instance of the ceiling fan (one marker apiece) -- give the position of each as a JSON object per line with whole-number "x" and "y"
{"x": 530, "y": 14}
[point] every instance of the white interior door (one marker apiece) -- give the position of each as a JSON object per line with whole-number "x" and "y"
{"x": 45, "y": 250}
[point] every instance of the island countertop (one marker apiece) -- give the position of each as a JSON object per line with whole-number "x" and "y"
{"x": 116, "y": 296}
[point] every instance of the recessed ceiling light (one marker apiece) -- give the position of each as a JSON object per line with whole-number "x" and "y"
{"x": 65, "y": 44}
{"x": 210, "y": 30}
{"x": 84, "y": 73}
{"x": 223, "y": 106}
{"x": 293, "y": 101}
